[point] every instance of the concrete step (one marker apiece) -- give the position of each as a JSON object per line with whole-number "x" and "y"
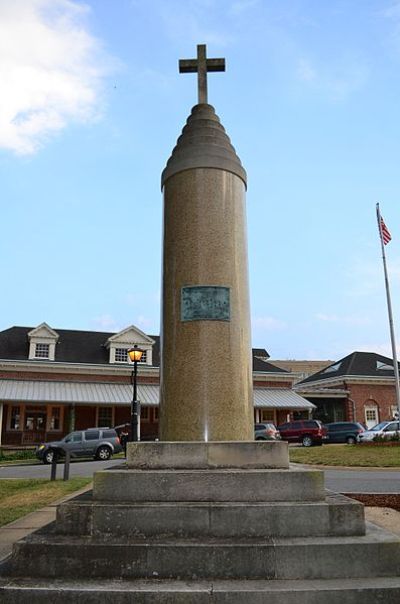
{"x": 209, "y": 485}
{"x": 339, "y": 591}
{"x": 207, "y": 455}
{"x": 377, "y": 554}
{"x": 337, "y": 515}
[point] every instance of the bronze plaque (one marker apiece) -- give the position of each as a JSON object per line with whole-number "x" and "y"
{"x": 205, "y": 303}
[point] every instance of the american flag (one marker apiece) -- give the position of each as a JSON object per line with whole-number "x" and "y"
{"x": 386, "y": 236}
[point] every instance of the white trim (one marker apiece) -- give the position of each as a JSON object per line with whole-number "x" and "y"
{"x": 43, "y": 327}
{"x": 137, "y": 332}
{"x": 354, "y": 379}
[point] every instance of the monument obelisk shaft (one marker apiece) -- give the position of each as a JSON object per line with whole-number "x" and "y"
{"x": 206, "y": 370}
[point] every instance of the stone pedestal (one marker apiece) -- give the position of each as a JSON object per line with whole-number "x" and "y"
{"x": 196, "y": 524}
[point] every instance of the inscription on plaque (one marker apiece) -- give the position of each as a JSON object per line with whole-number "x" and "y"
{"x": 205, "y": 303}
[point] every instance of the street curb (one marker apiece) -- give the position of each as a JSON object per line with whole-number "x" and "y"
{"x": 350, "y": 468}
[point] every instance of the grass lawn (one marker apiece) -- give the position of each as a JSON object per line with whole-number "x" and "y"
{"x": 348, "y": 455}
{"x": 19, "y": 497}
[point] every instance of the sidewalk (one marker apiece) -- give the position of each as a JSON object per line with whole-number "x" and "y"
{"x": 10, "y": 533}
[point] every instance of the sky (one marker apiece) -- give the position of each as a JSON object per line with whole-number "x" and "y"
{"x": 91, "y": 105}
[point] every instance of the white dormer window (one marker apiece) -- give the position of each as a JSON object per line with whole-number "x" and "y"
{"x": 42, "y": 342}
{"x": 42, "y": 351}
{"x": 121, "y": 342}
{"x": 332, "y": 368}
{"x": 384, "y": 366}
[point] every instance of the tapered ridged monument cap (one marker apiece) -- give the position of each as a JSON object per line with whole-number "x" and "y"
{"x": 203, "y": 144}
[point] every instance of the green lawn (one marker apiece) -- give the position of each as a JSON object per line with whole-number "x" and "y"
{"x": 348, "y": 455}
{"x": 20, "y": 497}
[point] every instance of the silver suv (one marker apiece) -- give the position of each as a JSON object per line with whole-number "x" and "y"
{"x": 100, "y": 443}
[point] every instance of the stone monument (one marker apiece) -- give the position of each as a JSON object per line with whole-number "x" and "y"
{"x": 206, "y": 367}
{"x": 208, "y": 516}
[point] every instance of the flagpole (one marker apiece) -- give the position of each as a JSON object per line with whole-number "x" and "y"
{"x": 389, "y": 305}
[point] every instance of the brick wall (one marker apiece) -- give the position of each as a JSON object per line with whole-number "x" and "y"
{"x": 369, "y": 394}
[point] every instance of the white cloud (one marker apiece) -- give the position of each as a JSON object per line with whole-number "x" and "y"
{"x": 305, "y": 71}
{"x": 268, "y": 323}
{"x": 393, "y": 11}
{"x": 383, "y": 349}
{"x": 191, "y": 22}
{"x": 344, "y": 319}
{"x": 106, "y": 323}
{"x": 51, "y": 70}
{"x": 241, "y": 6}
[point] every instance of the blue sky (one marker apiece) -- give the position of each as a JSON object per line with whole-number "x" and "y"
{"x": 90, "y": 109}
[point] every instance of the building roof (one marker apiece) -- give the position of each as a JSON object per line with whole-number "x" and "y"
{"x": 75, "y": 346}
{"x": 356, "y": 364}
{"x": 280, "y": 398}
{"x": 86, "y": 393}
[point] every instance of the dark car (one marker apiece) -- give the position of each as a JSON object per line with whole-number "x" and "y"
{"x": 308, "y": 432}
{"x": 266, "y": 432}
{"x": 344, "y": 432}
{"x": 99, "y": 443}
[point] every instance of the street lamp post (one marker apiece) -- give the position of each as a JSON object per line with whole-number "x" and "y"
{"x": 135, "y": 355}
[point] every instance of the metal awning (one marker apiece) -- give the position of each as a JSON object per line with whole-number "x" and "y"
{"x": 96, "y": 393}
{"x": 82, "y": 393}
{"x": 280, "y": 398}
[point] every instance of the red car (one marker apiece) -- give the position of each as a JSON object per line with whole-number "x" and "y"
{"x": 309, "y": 432}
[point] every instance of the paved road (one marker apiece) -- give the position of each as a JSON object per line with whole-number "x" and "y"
{"x": 341, "y": 481}
{"x": 363, "y": 481}
{"x": 77, "y": 468}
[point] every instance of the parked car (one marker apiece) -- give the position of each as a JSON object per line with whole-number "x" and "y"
{"x": 266, "y": 432}
{"x": 344, "y": 432}
{"x": 308, "y": 432}
{"x": 100, "y": 443}
{"x": 387, "y": 429}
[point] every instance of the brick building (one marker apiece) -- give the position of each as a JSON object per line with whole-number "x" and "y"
{"x": 360, "y": 387}
{"x": 55, "y": 380}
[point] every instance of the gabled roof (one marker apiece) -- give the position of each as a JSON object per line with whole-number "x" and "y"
{"x": 43, "y": 331}
{"x": 89, "y": 347}
{"x": 128, "y": 334}
{"x": 73, "y": 346}
{"x": 264, "y": 366}
{"x": 356, "y": 364}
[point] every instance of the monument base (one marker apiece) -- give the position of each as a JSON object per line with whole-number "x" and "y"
{"x": 207, "y": 523}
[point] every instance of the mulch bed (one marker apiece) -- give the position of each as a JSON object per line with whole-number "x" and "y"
{"x": 382, "y": 500}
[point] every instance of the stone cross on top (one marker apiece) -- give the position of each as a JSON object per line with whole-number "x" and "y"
{"x": 201, "y": 65}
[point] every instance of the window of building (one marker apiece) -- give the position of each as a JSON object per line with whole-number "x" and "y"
{"x": 15, "y": 420}
{"x": 332, "y": 368}
{"x": 121, "y": 355}
{"x": 55, "y": 419}
{"x": 144, "y": 357}
{"x": 35, "y": 419}
{"x": 385, "y": 366}
{"x": 105, "y": 417}
{"x": 267, "y": 415}
{"x": 145, "y": 414}
{"x": 42, "y": 351}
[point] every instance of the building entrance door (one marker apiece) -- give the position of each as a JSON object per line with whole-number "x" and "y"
{"x": 35, "y": 425}
{"x": 371, "y": 416}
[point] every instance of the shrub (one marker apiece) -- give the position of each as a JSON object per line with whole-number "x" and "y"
{"x": 16, "y": 455}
